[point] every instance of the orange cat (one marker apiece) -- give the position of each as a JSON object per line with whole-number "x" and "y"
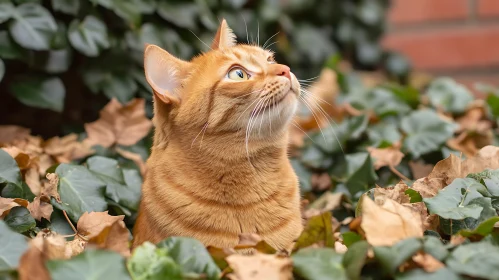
{"x": 219, "y": 164}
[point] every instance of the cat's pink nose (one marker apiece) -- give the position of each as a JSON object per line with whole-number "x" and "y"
{"x": 282, "y": 70}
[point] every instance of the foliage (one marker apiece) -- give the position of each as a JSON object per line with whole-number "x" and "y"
{"x": 58, "y": 54}
{"x": 75, "y": 198}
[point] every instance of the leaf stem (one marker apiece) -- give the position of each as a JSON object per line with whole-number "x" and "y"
{"x": 69, "y": 221}
{"x": 396, "y": 172}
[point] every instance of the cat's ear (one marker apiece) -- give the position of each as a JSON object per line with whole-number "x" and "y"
{"x": 224, "y": 38}
{"x": 163, "y": 73}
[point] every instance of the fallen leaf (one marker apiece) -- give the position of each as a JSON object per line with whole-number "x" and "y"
{"x": 475, "y": 119}
{"x": 325, "y": 203}
{"x": 32, "y": 179}
{"x": 10, "y": 133}
{"x": 40, "y": 209}
{"x": 22, "y": 159}
{"x": 45, "y": 246}
{"x": 49, "y": 189}
{"x": 420, "y": 169}
{"x": 318, "y": 230}
{"x": 136, "y": 158}
{"x": 118, "y": 124}
{"x": 8, "y": 203}
{"x": 390, "y": 156}
{"x": 67, "y": 148}
{"x": 395, "y": 193}
{"x": 259, "y": 266}
{"x": 321, "y": 182}
{"x": 385, "y": 225}
{"x": 340, "y": 248}
{"x": 75, "y": 246}
{"x": 104, "y": 231}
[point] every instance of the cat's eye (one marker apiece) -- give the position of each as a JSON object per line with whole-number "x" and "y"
{"x": 238, "y": 74}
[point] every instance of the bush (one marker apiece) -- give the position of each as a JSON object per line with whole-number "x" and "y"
{"x": 70, "y": 56}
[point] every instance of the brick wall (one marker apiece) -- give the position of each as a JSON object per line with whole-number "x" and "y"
{"x": 458, "y": 38}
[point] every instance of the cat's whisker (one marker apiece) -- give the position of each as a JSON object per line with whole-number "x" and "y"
{"x": 202, "y": 136}
{"x": 313, "y": 114}
{"x": 246, "y": 26}
{"x": 298, "y": 126}
{"x": 205, "y": 125}
{"x": 262, "y": 116}
{"x": 309, "y": 79}
{"x": 200, "y": 39}
{"x": 325, "y": 115}
{"x": 249, "y": 106}
{"x": 271, "y": 44}
{"x": 258, "y": 33}
{"x": 249, "y": 127}
{"x": 316, "y": 97}
{"x": 263, "y": 47}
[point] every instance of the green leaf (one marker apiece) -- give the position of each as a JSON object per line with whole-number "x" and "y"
{"x": 48, "y": 93}
{"x": 19, "y": 219}
{"x": 6, "y": 11}
{"x": 70, "y": 7}
{"x": 383, "y": 132}
{"x": 8, "y": 49}
{"x": 333, "y": 138}
{"x": 454, "y": 201}
{"x": 13, "y": 247}
{"x": 418, "y": 274}
{"x": 91, "y": 264}
{"x": 361, "y": 174}
{"x": 391, "y": 258}
{"x": 9, "y": 171}
{"x": 414, "y": 195}
{"x": 106, "y": 167}
{"x": 80, "y": 191}
{"x": 426, "y": 131}
{"x": 317, "y": 229}
{"x": 32, "y": 27}
{"x": 181, "y": 14}
{"x": 59, "y": 224}
{"x": 88, "y": 37}
{"x": 355, "y": 258}
{"x": 304, "y": 175}
{"x": 149, "y": 262}
{"x": 22, "y": 190}
{"x": 319, "y": 264}
{"x": 483, "y": 229}
{"x": 434, "y": 246}
{"x": 191, "y": 255}
{"x": 55, "y": 61}
{"x": 350, "y": 238}
{"x": 493, "y": 104}
{"x": 476, "y": 260}
{"x": 121, "y": 86}
{"x": 445, "y": 93}
{"x": 489, "y": 178}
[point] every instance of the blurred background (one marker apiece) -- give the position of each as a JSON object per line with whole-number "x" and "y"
{"x": 62, "y": 60}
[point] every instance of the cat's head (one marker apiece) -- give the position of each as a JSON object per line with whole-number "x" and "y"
{"x": 234, "y": 89}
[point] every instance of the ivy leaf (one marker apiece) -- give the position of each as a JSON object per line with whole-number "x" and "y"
{"x": 317, "y": 229}
{"x": 355, "y": 258}
{"x": 8, "y": 49}
{"x": 32, "y": 27}
{"x": 91, "y": 264}
{"x": 13, "y": 246}
{"x": 392, "y": 257}
{"x": 493, "y": 104}
{"x": 489, "y": 178}
{"x": 88, "y": 37}
{"x": 6, "y": 11}
{"x": 434, "y": 246}
{"x": 181, "y": 14}
{"x": 333, "y": 138}
{"x": 121, "y": 86}
{"x": 383, "y": 132}
{"x": 482, "y": 230}
{"x": 476, "y": 260}
{"x": 9, "y": 171}
{"x": 361, "y": 174}
{"x": 70, "y": 7}
{"x": 149, "y": 262}
{"x": 426, "y": 131}
{"x": 2, "y": 69}
{"x": 48, "y": 93}
{"x": 191, "y": 255}
{"x": 19, "y": 219}
{"x": 80, "y": 191}
{"x": 319, "y": 264}
{"x": 418, "y": 274}
{"x": 445, "y": 93}
{"x": 106, "y": 167}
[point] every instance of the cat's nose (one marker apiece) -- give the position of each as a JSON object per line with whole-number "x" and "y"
{"x": 282, "y": 70}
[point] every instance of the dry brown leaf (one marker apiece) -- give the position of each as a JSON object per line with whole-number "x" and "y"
{"x": 389, "y": 223}
{"x": 40, "y": 209}
{"x": 104, "y": 231}
{"x": 420, "y": 169}
{"x": 22, "y": 158}
{"x": 49, "y": 189}
{"x": 75, "y": 247}
{"x": 475, "y": 119}
{"x": 321, "y": 182}
{"x": 8, "y": 203}
{"x": 390, "y": 156}
{"x": 340, "y": 248}
{"x": 136, "y": 158}
{"x": 118, "y": 124}
{"x": 45, "y": 246}
{"x": 259, "y": 266}
{"x": 395, "y": 193}
{"x": 427, "y": 262}
{"x": 327, "y": 202}
{"x": 10, "y": 133}
{"x": 32, "y": 179}
{"x": 67, "y": 148}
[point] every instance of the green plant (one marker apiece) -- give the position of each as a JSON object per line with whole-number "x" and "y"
{"x": 70, "y": 56}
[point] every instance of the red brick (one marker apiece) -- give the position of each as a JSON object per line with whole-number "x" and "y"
{"x": 455, "y": 48}
{"x": 416, "y": 11}
{"x": 488, "y": 8}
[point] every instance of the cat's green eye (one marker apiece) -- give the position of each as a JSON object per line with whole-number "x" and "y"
{"x": 238, "y": 74}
